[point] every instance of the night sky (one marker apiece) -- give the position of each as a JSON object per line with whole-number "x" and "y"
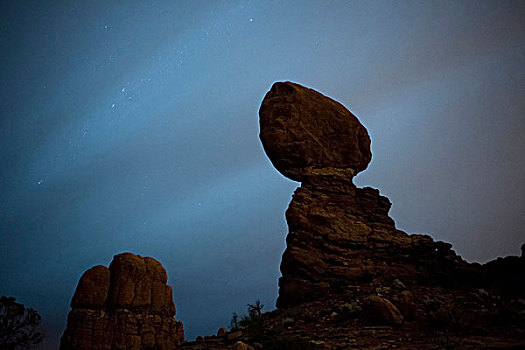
{"x": 133, "y": 126}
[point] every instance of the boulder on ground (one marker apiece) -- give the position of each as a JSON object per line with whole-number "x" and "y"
{"x": 379, "y": 310}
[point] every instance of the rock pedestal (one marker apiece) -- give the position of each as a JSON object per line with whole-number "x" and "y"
{"x": 128, "y": 306}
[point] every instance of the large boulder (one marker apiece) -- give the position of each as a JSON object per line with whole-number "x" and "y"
{"x": 306, "y": 134}
{"x": 379, "y": 310}
{"x": 128, "y": 306}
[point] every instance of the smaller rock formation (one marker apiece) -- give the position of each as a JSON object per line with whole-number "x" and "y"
{"x": 128, "y": 306}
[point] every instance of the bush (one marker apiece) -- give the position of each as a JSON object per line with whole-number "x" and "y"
{"x": 19, "y": 327}
{"x": 234, "y": 323}
{"x": 254, "y": 310}
{"x": 253, "y": 322}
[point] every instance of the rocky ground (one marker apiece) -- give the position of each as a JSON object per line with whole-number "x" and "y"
{"x": 385, "y": 316}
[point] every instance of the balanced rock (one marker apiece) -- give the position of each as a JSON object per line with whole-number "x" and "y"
{"x": 128, "y": 306}
{"x": 305, "y": 133}
{"x": 339, "y": 234}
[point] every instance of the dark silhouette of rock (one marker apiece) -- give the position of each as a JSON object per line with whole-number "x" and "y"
{"x": 509, "y": 272}
{"x": 128, "y": 306}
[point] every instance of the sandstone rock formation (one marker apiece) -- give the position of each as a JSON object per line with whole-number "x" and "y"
{"x": 340, "y": 235}
{"x": 306, "y": 134}
{"x": 128, "y": 306}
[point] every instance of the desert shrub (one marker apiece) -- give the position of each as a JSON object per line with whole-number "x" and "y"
{"x": 234, "y": 323}
{"x": 254, "y": 310}
{"x": 253, "y": 322}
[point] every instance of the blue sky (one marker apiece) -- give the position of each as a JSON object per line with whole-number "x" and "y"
{"x": 133, "y": 126}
